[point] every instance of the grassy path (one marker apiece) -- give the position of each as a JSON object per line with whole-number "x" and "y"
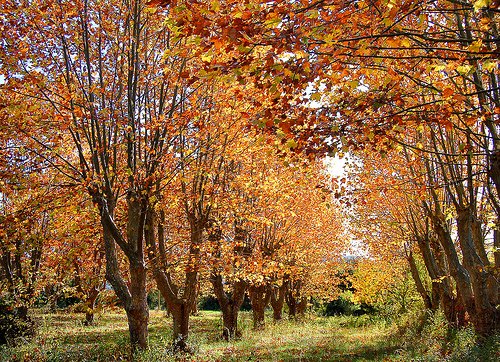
{"x": 62, "y": 337}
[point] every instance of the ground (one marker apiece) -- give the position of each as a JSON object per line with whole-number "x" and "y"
{"x": 63, "y": 337}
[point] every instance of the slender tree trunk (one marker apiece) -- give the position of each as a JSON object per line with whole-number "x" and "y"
{"x": 90, "y": 306}
{"x": 133, "y": 296}
{"x": 50, "y": 292}
{"x": 291, "y": 302}
{"x": 418, "y": 282}
{"x": 293, "y": 298}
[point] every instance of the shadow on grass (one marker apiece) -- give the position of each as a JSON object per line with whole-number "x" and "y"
{"x": 330, "y": 353}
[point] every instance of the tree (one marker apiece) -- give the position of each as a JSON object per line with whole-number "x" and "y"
{"x": 95, "y": 90}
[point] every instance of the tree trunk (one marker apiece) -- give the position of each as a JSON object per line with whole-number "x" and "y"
{"x": 302, "y": 306}
{"x": 134, "y": 295}
{"x": 50, "y": 292}
{"x": 418, "y": 282}
{"x": 457, "y": 271}
{"x": 90, "y": 306}
{"x": 230, "y": 307}
{"x": 278, "y": 300}
{"x": 138, "y": 309}
{"x": 293, "y": 297}
{"x": 484, "y": 316}
{"x": 259, "y": 297}
{"x": 230, "y": 321}
{"x": 180, "y": 314}
{"x": 291, "y": 302}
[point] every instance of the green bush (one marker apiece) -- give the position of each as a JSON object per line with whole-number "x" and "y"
{"x": 14, "y": 323}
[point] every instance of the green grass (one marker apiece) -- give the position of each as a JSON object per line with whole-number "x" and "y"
{"x": 62, "y": 337}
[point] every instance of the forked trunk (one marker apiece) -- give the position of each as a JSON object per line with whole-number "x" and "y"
{"x": 259, "y": 297}
{"x": 302, "y": 306}
{"x": 180, "y": 314}
{"x": 278, "y": 301}
{"x": 229, "y": 306}
{"x": 133, "y": 295}
{"x": 230, "y": 321}
{"x": 484, "y": 315}
{"x": 291, "y": 302}
{"x": 90, "y": 307}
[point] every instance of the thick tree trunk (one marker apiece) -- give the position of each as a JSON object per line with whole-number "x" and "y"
{"x": 180, "y": 314}
{"x": 230, "y": 321}
{"x": 259, "y": 298}
{"x": 278, "y": 300}
{"x": 457, "y": 271}
{"x": 437, "y": 266}
{"x": 138, "y": 309}
{"x": 230, "y": 307}
{"x": 180, "y": 309}
{"x": 484, "y": 316}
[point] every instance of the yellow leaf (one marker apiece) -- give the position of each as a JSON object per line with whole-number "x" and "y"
{"x": 316, "y": 96}
{"x": 479, "y": 4}
{"x": 464, "y": 69}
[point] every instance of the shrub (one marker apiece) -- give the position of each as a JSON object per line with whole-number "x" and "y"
{"x": 14, "y": 323}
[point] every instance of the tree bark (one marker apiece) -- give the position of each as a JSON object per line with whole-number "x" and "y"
{"x": 90, "y": 306}
{"x": 484, "y": 315}
{"x": 302, "y": 306}
{"x": 230, "y": 307}
{"x": 278, "y": 300}
{"x": 137, "y": 309}
{"x": 259, "y": 298}
{"x": 133, "y": 296}
{"x": 418, "y": 283}
{"x": 180, "y": 315}
{"x": 293, "y": 297}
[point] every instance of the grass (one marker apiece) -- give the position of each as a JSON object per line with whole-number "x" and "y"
{"x": 63, "y": 337}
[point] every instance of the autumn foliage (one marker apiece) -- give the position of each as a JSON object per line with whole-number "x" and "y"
{"x": 179, "y": 145}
